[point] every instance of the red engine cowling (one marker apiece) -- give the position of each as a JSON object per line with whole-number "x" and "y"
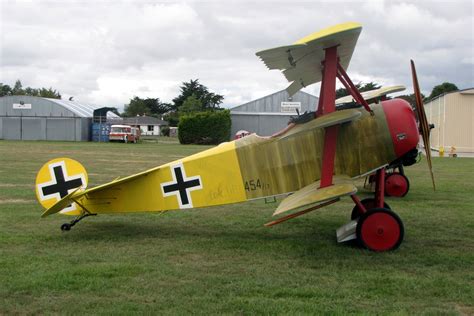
{"x": 402, "y": 124}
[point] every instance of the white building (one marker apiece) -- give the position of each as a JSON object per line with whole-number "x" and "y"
{"x": 453, "y": 116}
{"x": 148, "y": 125}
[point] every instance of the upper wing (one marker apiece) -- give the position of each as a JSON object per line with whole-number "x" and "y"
{"x": 301, "y": 61}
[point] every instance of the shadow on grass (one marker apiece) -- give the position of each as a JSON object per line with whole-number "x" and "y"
{"x": 294, "y": 239}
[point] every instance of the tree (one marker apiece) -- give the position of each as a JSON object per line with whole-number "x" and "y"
{"x": 191, "y": 104}
{"x": 31, "y": 91}
{"x": 148, "y": 106}
{"x": 18, "y": 88}
{"x": 157, "y": 108}
{"x": 48, "y": 93}
{"x": 209, "y": 100}
{"x": 5, "y": 90}
{"x": 136, "y": 107}
{"x": 342, "y": 92}
{"x": 209, "y": 127}
{"x": 442, "y": 88}
{"x": 172, "y": 118}
{"x": 410, "y": 98}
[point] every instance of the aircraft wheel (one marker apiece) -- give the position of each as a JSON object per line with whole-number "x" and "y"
{"x": 65, "y": 227}
{"x": 396, "y": 184}
{"x": 369, "y": 203}
{"x": 380, "y": 229}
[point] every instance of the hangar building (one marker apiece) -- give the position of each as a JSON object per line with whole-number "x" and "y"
{"x": 271, "y": 113}
{"x": 36, "y": 118}
{"x": 453, "y": 116}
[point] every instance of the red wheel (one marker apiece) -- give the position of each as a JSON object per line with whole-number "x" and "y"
{"x": 396, "y": 184}
{"x": 380, "y": 229}
{"x": 368, "y": 203}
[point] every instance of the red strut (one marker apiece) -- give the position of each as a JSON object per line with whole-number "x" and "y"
{"x": 327, "y": 105}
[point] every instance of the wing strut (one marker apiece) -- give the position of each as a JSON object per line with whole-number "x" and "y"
{"x": 327, "y": 104}
{"x": 332, "y": 69}
{"x": 351, "y": 88}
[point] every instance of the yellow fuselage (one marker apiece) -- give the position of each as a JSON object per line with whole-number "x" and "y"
{"x": 249, "y": 168}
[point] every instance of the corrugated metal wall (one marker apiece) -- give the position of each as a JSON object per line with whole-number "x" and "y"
{"x": 45, "y": 128}
{"x": 45, "y": 120}
{"x": 263, "y": 125}
{"x": 264, "y": 117}
{"x": 272, "y": 102}
{"x": 453, "y": 116}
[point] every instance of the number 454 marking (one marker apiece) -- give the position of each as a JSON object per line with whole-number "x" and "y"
{"x": 253, "y": 185}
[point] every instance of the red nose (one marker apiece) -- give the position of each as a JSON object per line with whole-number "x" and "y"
{"x": 402, "y": 125}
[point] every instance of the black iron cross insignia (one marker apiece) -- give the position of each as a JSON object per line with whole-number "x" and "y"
{"x": 181, "y": 186}
{"x": 60, "y": 183}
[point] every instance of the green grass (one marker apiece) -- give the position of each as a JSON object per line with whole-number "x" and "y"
{"x": 222, "y": 260}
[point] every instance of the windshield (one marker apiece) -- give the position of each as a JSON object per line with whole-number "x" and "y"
{"x": 119, "y": 130}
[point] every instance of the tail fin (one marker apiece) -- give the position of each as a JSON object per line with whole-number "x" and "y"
{"x": 56, "y": 182}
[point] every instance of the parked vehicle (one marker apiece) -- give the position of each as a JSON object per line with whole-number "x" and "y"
{"x": 124, "y": 133}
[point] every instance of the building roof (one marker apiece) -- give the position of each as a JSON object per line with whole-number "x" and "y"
{"x": 143, "y": 120}
{"x": 38, "y": 106}
{"x": 80, "y": 109}
{"x": 463, "y": 91}
{"x": 269, "y": 102}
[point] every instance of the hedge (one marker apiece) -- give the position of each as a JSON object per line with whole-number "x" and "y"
{"x": 204, "y": 127}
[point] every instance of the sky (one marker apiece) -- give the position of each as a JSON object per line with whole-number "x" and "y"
{"x": 107, "y": 52}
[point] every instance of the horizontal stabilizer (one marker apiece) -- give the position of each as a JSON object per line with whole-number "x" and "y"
{"x": 116, "y": 182}
{"x": 334, "y": 118}
{"x": 312, "y": 194}
{"x": 61, "y": 204}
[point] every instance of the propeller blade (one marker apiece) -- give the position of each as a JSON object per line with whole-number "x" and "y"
{"x": 423, "y": 121}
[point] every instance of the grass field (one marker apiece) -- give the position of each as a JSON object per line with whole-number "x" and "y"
{"x": 222, "y": 260}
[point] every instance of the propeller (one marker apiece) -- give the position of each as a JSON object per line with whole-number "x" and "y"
{"x": 424, "y": 126}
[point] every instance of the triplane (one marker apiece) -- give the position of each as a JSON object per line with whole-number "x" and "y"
{"x": 312, "y": 162}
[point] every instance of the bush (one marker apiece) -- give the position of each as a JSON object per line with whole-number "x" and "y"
{"x": 165, "y": 131}
{"x": 204, "y": 128}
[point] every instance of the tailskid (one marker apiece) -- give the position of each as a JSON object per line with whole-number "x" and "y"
{"x": 68, "y": 226}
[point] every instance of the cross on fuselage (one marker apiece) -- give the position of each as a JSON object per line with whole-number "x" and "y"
{"x": 181, "y": 185}
{"x": 61, "y": 186}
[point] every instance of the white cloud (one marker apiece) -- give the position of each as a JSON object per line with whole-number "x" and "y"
{"x": 106, "y": 52}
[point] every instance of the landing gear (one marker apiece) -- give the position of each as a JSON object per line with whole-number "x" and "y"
{"x": 68, "y": 226}
{"x": 368, "y": 203}
{"x": 373, "y": 224}
{"x": 380, "y": 229}
{"x": 396, "y": 184}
